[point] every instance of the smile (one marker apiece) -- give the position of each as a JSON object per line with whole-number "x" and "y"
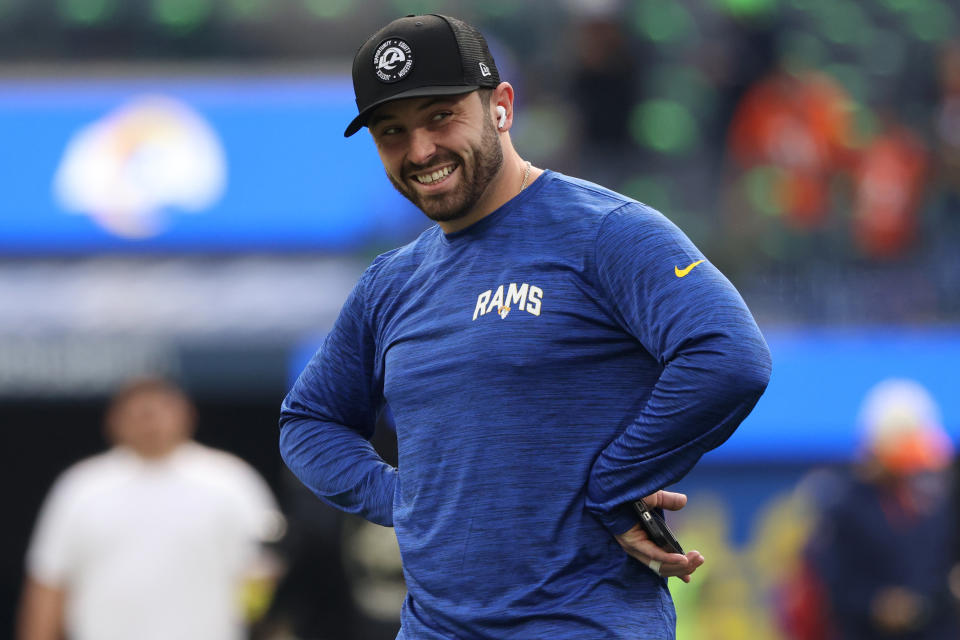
{"x": 435, "y": 176}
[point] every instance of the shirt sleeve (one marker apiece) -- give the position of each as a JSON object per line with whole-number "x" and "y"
{"x": 328, "y": 418}
{"x": 51, "y": 553}
{"x": 689, "y": 317}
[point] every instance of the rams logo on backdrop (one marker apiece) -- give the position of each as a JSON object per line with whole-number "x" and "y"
{"x": 526, "y": 297}
{"x": 132, "y": 167}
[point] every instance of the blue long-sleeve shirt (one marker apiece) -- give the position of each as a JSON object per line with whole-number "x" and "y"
{"x": 544, "y": 366}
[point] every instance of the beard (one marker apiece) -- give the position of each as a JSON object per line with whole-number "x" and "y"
{"x": 488, "y": 159}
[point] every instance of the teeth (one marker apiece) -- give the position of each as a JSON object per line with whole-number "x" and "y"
{"x": 436, "y": 175}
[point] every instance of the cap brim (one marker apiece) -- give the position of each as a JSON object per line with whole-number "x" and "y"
{"x": 361, "y": 120}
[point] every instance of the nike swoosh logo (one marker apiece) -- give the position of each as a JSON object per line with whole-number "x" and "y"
{"x": 682, "y": 272}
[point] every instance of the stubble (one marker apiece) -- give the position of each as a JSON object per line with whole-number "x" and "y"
{"x": 446, "y": 207}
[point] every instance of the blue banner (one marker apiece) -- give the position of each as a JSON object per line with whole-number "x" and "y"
{"x": 190, "y": 164}
{"x": 820, "y": 378}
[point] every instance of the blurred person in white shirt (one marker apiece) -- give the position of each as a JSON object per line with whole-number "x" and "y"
{"x": 152, "y": 539}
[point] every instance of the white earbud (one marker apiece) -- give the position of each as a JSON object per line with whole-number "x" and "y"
{"x": 502, "y": 114}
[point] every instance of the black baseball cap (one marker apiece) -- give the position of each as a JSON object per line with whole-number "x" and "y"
{"x": 415, "y": 56}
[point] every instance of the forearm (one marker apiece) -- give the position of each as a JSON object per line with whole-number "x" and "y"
{"x": 340, "y": 466}
{"x": 700, "y": 398}
{"x": 41, "y": 612}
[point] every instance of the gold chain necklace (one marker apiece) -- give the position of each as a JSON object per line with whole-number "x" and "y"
{"x": 526, "y": 174}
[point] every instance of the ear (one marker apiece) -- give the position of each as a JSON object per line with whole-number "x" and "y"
{"x": 502, "y": 101}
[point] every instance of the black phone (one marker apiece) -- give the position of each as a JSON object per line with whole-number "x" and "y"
{"x": 656, "y": 527}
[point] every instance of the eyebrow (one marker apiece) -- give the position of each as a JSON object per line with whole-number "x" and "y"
{"x": 377, "y": 119}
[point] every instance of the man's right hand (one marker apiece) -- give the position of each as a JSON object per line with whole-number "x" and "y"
{"x": 638, "y": 544}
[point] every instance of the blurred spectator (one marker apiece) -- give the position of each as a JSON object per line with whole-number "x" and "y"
{"x": 948, "y": 118}
{"x": 605, "y": 86}
{"x": 813, "y": 184}
{"x": 798, "y": 126}
{"x": 153, "y": 539}
{"x": 883, "y": 537}
{"x": 890, "y": 179}
{"x": 604, "y": 82}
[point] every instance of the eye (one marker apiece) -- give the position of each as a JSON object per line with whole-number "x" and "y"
{"x": 389, "y": 131}
{"x": 441, "y": 115}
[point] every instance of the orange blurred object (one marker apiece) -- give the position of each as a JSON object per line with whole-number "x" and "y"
{"x": 803, "y": 196}
{"x": 802, "y": 125}
{"x": 902, "y": 428}
{"x": 915, "y": 452}
{"x": 889, "y": 186}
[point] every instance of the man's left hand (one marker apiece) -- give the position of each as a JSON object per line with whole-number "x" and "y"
{"x": 638, "y": 544}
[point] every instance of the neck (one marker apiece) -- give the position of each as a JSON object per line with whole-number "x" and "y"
{"x": 503, "y": 188}
{"x": 153, "y": 452}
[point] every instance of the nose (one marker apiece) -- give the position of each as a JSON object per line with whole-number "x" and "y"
{"x": 422, "y": 146}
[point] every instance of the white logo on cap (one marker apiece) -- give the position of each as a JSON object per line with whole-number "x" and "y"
{"x": 484, "y": 70}
{"x": 392, "y": 60}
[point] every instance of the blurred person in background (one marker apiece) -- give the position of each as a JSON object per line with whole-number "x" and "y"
{"x": 604, "y": 89}
{"x": 551, "y": 352}
{"x": 155, "y": 538}
{"x": 944, "y": 221}
{"x": 797, "y": 124}
{"x": 883, "y": 542}
{"x": 948, "y": 121}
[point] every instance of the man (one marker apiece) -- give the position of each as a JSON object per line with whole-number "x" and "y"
{"x": 150, "y": 540}
{"x": 896, "y": 495}
{"x": 551, "y": 352}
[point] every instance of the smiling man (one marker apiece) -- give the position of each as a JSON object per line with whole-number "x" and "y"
{"x": 450, "y": 183}
{"x": 551, "y": 352}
